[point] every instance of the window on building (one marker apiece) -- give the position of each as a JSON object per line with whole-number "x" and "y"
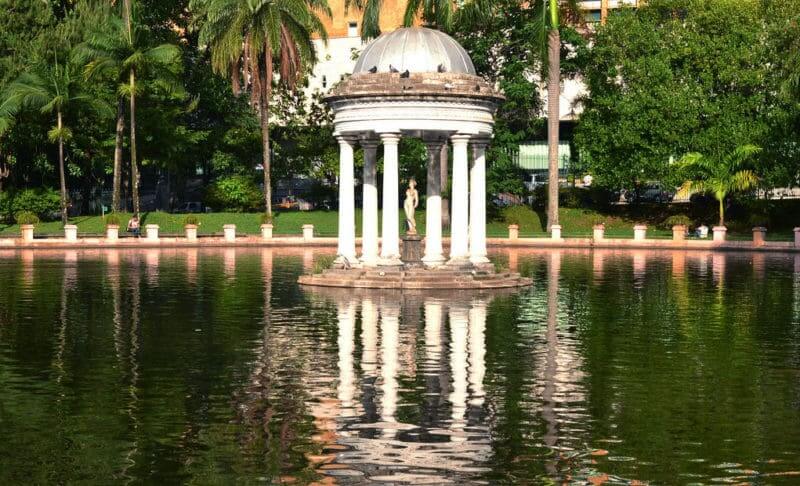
{"x": 352, "y": 29}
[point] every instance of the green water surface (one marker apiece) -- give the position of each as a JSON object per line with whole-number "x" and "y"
{"x": 215, "y": 367}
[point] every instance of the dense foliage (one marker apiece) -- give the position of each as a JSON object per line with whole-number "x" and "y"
{"x": 680, "y": 76}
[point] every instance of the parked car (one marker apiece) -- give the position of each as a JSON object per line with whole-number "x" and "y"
{"x": 654, "y": 193}
{"x": 189, "y": 207}
{"x": 294, "y": 203}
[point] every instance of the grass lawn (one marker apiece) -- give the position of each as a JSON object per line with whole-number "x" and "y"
{"x": 575, "y": 223}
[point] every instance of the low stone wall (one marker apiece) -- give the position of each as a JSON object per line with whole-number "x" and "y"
{"x": 277, "y": 241}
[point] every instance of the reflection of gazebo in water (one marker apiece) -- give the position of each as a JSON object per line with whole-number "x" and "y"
{"x": 414, "y": 82}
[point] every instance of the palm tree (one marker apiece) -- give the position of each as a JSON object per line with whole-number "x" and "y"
{"x": 120, "y": 49}
{"x": 54, "y": 89}
{"x": 719, "y": 176}
{"x": 247, "y": 38}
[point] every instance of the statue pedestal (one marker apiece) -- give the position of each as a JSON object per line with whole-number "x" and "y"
{"x": 411, "y": 250}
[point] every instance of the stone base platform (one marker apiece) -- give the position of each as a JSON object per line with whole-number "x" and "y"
{"x": 400, "y": 278}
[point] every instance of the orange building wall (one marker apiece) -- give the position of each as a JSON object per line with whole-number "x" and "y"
{"x": 391, "y": 17}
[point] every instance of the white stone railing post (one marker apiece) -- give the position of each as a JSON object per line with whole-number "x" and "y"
{"x": 640, "y": 232}
{"x": 71, "y": 233}
{"x": 229, "y": 230}
{"x": 555, "y": 232}
{"x": 720, "y": 233}
{"x": 797, "y": 237}
{"x": 599, "y": 232}
{"x": 308, "y": 232}
{"x": 513, "y": 232}
{"x": 266, "y": 231}
{"x": 152, "y": 232}
{"x": 26, "y": 231}
{"x": 112, "y": 233}
{"x": 191, "y": 232}
{"x": 759, "y": 236}
{"x": 679, "y": 232}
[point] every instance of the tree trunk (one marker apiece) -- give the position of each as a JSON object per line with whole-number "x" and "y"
{"x": 61, "y": 173}
{"x": 722, "y": 211}
{"x": 115, "y": 197}
{"x": 553, "y": 94}
{"x": 603, "y": 12}
{"x": 134, "y": 167}
{"x": 264, "y": 114}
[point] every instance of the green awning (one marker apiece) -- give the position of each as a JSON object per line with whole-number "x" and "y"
{"x": 533, "y": 156}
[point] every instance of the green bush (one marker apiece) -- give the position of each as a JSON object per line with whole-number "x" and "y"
{"x": 266, "y": 218}
{"x": 234, "y": 194}
{"x": 675, "y": 220}
{"x": 26, "y": 217}
{"x": 42, "y": 202}
{"x": 113, "y": 219}
{"x": 523, "y": 216}
{"x": 191, "y": 219}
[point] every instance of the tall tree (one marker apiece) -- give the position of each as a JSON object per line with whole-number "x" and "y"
{"x": 247, "y": 39}
{"x": 56, "y": 89}
{"x": 121, "y": 50}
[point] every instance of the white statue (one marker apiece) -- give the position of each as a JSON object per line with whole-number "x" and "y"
{"x": 410, "y": 205}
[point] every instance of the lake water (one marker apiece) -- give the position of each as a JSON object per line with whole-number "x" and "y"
{"x": 215, "y": 367}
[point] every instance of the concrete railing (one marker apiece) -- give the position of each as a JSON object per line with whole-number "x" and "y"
{"x": 555, "y": 232}
{"x": 720, "y": 233}
{"x": 112, "y": 232}
{"x": 26, "y": 231}
{"x": 191, "y": 232}
{"x": 266, "y": 231}
{"x": 679, "y": 232}
{"x": 797, "y": 237}
{"x": 513, "y": 232}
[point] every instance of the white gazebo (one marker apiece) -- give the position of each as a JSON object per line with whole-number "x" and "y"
{"x": 414, "y": 82}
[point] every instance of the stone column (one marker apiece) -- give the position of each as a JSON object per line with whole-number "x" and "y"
{"x": 477, "y": 203}
{"x": 369, "y": 231}
{"x": 390, "y": 245}
{"x": 459, "y": 201}
{"x": 346, "y": 250}
{"x": 433, "y": 207}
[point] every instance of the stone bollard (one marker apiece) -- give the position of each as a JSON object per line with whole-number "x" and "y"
{"x": 719, "y": 233}
{"x": 759, "y": 236}
{"x": 71, "y": 232}
{"x": 555, "y": 232}
{"x": 640, "y": 232}
{"x": 679, "y": 232}
{"x": 230, "y": 232}
{"x": 112, "y": 232}
{"x": 27, "y": 232}
{"x": 513, "y": 232}
{"x": 599, "y": 232}
{"x": 191, "y": 232}
{"x": 266, "y": 231}
{"x": 152, "y": 232}
{"x": 308, "y": 232}
{"x": 797, "y": 237}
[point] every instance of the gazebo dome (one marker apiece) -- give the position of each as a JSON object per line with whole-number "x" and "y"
{"x": 417, "y": 50}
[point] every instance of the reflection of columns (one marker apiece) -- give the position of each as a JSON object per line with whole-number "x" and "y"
{"x": 390, "y": 243}
{"x": 477, "y": 203}
{"x": 191, "y": 264}
{"x": 598, "y": 264}
{"x": 678, "y": 263}
{"x": 459, "y": 319}
{"x": 347, "y": 328}
{"x": 433, "y": 207}
{"x": 477, "y": 351}
{"x": 308, "y": 260}
{"x": 551, "y": 361}
{"x": 639, "y": 266}
{"x": 347, "y": 215}
{"x": 390, "y": 335}
{"x": 369, "y": 356}
{"x": 718, "y": 267}
{"x": 459, "y": 221}
{"x": 369, "y": 213}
